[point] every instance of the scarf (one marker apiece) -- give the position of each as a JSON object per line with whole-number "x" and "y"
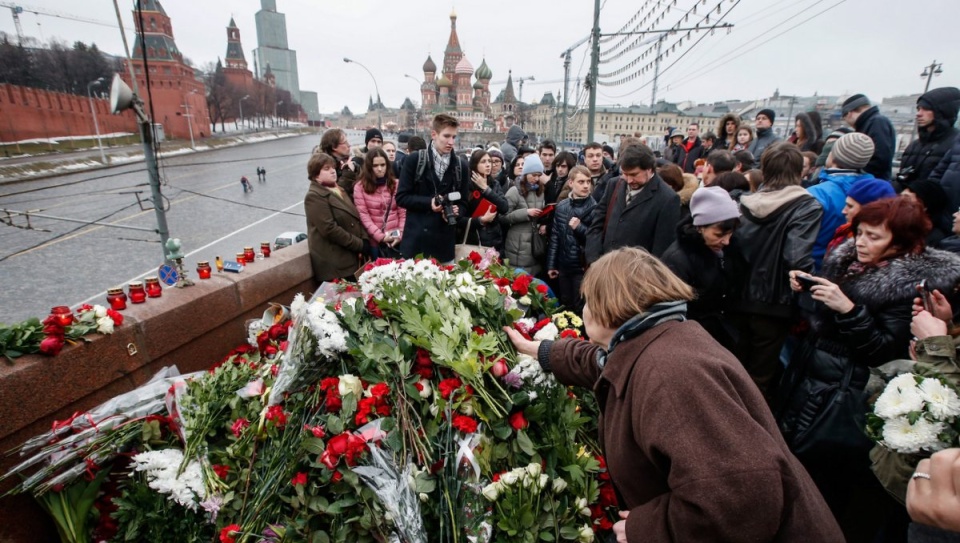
{"x": 381, "y": 181}
{"x": 654, "y": 315}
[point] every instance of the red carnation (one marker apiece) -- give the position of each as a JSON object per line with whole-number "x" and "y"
{"x": 221, "y": 470}
{"x": 228, "y": 533}
{"x": 380, "y": 390}
{"x": 475, "y": 258}
{"x": 465, "y": 424}
{"x": 569, "y": 333}
{"x": 608, "y": 496}
{"x": 299, "y": 479}
{"x": 275, "y": 413}
{"x": 238, "y": 426}
{"x": 518, "y": 421}
{"x": 522, "y": 283}
{"x": 541, "y": 288}
{"x": 448, "y": 386}
{"x": 422, "y": 364}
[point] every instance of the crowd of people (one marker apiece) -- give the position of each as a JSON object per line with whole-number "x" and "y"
{"x": 753, "y": 281}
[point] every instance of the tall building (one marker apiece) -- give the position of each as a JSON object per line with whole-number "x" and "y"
{"x": 170, "y": 88}
{"x": 273, "y": 50}
{"x": 235, "y": 63}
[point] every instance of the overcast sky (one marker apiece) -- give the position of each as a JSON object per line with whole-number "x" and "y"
{"x": 878, "y": 47}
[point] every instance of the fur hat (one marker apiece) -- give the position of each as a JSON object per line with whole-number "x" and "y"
{"x": 710, "y": 205}
{"x": 866, "y": 191}
{"x": 372, "y": 133}
{"x": 532, "y": 164}
{"x": 854, "y": 102}
{"x": 768, "y": 113}
{"x": 852, "y": 151}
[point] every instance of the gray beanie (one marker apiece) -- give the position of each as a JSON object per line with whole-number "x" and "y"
{"x": 854, "y": 102}
{"x": 852, "y": 151}
{"x": 532, "y": 164}
{"x": 710, "y": 205}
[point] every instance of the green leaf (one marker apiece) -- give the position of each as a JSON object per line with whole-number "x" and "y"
{"x": 314, "y": 445}
{"x": 523, "y": 441}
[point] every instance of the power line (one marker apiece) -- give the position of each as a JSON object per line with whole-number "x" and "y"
{"x": 70, "y": 183}
{"x": 205, "y": 195}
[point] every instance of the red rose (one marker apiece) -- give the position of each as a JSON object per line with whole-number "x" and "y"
{"x": 299, "y": 479}
{"x": 518, "y": 421}
{"x": 221, "y": 470}
{"x": 448, "y": 386}
{"x": 475, "y": 258}
{"x": 541, "y": 288}
{"x": 479, "y": 330}
{"x": 116, "y": 316}
{"x": 51, "y": 345}
{"x": 601, "y": 521}
{"x": 336, "y": 477}
{"x": 270, "y": 351}
{"x": 522, "y": 283}
{"x": 238, "y": 426}
{"x": 365, "y": 407}
{"x": 569, "y": 333}
{"x": 317, "y": 431}
{"x": 346, "y": 446}
{"x": 275, "y": 413}
{"x": 373, "y": 309}
{"x": 84, "y": 307}
{"x": 274, "y": 369}
{"x": 464, "y": 423}
{"x": 228, "y": 533}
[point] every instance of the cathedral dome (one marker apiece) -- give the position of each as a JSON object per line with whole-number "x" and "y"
{"x": 483, "y": 72}
{"x": 464, "y": 66}
{"x": 429, "y": 67}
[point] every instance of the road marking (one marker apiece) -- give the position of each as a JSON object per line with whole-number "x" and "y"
{"x": 191, "y": 253}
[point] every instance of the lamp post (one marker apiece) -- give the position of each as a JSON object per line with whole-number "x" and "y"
{"x": 276, "y": 123}
{"x": 96, "y": 126}
{"x": 930, "y": 71}
{"x": 186, "y": 106}
{"x": 417, "y": 111}
{"x": 375, "y": 86}
{"x": 243, "y": 129}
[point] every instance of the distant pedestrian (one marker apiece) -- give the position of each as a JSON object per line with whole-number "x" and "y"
{"x": 247, "y": 187}
{"x": 765, "y": 136}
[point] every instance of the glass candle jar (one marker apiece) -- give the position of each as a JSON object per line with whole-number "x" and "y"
{"x": 116, "y": 298}
{"x": 248, "y": 254}
{"x": 63, "y": 314}
{"x": 152, "y": 284}
{"x": 203, "y": 269}
{"x": 265, "y": 249}
{"x": 136, "y": 292}
{"x": 241, "y": 259}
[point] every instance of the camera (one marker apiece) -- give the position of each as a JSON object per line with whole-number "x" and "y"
{"x": 906, "y": 174}
{"x": 448, "y": 202}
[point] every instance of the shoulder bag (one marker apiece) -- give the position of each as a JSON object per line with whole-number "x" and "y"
{"x": 463, "y": 250}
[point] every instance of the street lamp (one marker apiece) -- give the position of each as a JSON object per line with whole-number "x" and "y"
{"x": 93, "y": 110}
{"x": 375, "y": 86}
{"x": 186, "y": 105}
{"x": 417, "y": 111}
{"x": 275, "y": 122}
{"x": 930, "y": 71}
{"x": 243, "y": 129}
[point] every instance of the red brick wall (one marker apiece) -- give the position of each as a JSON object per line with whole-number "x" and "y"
{"x": 27, "y": 113}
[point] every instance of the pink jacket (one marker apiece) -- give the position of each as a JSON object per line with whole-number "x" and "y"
{"x": 372, "y": 208}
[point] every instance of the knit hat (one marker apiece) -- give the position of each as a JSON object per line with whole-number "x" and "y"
{"x": 852, "y": 103}
{"x": 768, "y": 113}
{"x": 838, "y": 133}
{"x": 944, "y": 102}
{"x": 866, "y": 191}
{"x": 853, "y": 151}
{"x": 372, "y": 133}
{"x": 710, "y": 205}
{"x": 532, "y": 164}
{"x": 493, "y": 152}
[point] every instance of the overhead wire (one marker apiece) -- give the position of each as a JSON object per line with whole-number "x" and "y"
{"x": 251, "y": 206}
{"x": 605, "y": 56}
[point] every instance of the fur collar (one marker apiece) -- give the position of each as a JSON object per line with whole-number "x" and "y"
{"x": 897, "y": 280}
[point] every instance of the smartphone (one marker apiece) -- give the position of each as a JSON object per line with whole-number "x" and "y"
{"x": 806, "y": 282}
{"x": 926, "y": 295}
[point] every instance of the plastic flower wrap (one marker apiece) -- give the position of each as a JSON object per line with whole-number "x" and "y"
{"x": 916, "y": 413}
{"x": 392, "y": 488}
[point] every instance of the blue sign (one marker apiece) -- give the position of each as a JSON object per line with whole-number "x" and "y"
{"x": 168, "y": 274}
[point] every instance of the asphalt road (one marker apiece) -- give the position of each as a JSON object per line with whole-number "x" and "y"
{"x": 208, "y": 210}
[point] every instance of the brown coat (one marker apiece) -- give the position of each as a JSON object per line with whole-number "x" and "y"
{"x": 690, "y": 444}
{"x": 334, "y": 233}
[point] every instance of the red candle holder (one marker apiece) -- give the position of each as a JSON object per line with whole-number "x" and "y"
{"x": 63, "y": 314}
{"x": 265, "y": 249}
{"x": 154, "y": 290}
{"x": 136, "y": 292}
{"x": 248, "y": 254}
{"x": 203, "y": 269}
{"x": 116, "y": 298}
{"x": 241, "y": 259}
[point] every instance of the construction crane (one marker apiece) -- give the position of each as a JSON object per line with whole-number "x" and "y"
{"x": 16, "y": 10}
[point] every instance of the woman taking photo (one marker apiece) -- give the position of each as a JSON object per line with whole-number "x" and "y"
{"x": 375, "y": 198}
{"x": 727, "y": 129}
{"x": 699, "y": 258}
{"x": 335, "y": 234}
{"x": 691, "y": 448}
{"x": 526, "y": 242}
{"x": 864, "y": 297}
{"x": 479, "y": 222}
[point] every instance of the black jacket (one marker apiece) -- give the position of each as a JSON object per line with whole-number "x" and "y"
{"x": 715, "y": 278}
{"x": 695, "y": 153}
{"x": 924, "y": 153}
{"x": 876, "y": 331}
{"x": 488, "y": 235}
{"x": 649, "y": 221}
{"x": 565, "y": 252}
{"x": 881, "y": 131}
{"x": 776, "y": 235}
{"x": 425, "y": 231}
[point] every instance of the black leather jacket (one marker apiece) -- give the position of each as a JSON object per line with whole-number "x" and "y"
{"x": 566, "y": 245}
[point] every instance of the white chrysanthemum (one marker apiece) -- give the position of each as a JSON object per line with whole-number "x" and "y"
{"x": 530, "y": 371}
{"x": 323, "y": 323}
{"x": 903, "y": 437}
{"x": 899, "y": 398}
{"x": 161, "y": 467}
{"x": 548, "y": 332}
{"x": 105, "y": 325}
{"x": 942, "y": 401}
{"x": 298, "y": 305}
{"x": 253, "y": 331}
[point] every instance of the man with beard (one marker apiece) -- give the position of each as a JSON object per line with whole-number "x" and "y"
{"x": 936, "y": 115}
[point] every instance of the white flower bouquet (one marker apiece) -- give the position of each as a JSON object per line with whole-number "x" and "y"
{"x": 916, "y": 414}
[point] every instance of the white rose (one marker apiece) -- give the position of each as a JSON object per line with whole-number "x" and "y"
{"x": 548, "y": 332}
{"x": 467, "y": 409}
{"x": 510, "y": 478}
{"x": 99, "y": 311}
{"x": 491, "y": 492}
{"x": 350, "y": 384}
{"x": 423, "y": 497}
{"x": 524, "y": 300}
{"x": 105, "y": 325}
{"x": 586, "y": 534}
{"x": 533, "y": 469}
{"x": 559, "y": 485}
{"x": 544, "y": 479}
